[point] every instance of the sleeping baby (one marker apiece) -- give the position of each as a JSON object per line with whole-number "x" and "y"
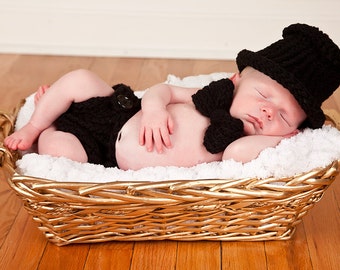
{"x": 277, "y": 91}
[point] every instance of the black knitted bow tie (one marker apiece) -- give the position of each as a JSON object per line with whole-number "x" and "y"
{"x": 214, "y": 101}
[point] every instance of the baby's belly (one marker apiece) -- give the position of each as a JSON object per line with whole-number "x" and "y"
{"x": 187, "y": 142}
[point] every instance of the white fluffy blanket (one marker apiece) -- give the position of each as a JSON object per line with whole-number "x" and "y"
{"x": 306, "y": 151}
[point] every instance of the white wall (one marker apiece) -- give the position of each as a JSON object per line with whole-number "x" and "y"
{"x": 156, "y": 28}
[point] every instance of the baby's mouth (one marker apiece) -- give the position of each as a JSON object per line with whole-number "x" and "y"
{"x": 256, "y": 122}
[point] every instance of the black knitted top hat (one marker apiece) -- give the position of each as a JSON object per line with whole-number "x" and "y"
{"x": 306, "y": 62}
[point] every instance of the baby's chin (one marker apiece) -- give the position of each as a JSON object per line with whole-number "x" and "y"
{"x": 249, "y": 129}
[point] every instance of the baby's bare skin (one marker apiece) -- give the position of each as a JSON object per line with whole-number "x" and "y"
{"x": 187, "y": 148}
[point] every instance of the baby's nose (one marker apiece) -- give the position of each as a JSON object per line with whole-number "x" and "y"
{"x": 268, "y": 112}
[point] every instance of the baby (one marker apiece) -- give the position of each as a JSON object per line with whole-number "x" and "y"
{"x": 277, "y": 91}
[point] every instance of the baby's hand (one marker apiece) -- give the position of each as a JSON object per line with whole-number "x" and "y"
{"x": 156, "y": 127}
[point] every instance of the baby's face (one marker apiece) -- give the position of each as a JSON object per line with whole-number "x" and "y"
{"x": 264, "y": 106}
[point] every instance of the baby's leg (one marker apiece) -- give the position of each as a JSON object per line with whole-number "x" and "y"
{"x": 76, "y": 86}
{"x": 61, "y": 144}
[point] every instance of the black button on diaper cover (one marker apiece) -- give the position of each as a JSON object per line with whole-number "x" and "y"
{"x": 124, "y": 102}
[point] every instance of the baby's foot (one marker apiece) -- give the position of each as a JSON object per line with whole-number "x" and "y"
{"x": 23, "y": 138}
{"x": 40, "y": 92}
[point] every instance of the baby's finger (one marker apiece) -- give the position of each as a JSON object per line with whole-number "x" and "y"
{"x": 142, "y": 136}
{"x": 166, "y": 137}
{"x": 148, "y": 136}
{"x": 157, "y": 138}
{"x": 170, "y": 125}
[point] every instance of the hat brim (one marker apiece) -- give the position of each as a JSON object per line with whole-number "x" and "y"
{"x": 315, "y": 116}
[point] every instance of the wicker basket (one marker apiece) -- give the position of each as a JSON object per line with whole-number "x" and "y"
{"x": 214, "y": 209}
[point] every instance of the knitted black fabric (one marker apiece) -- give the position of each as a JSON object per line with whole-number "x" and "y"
{"x": 214, "y": 101}
{"x": 306, "y": 62}
{"x": 97, "y": 121}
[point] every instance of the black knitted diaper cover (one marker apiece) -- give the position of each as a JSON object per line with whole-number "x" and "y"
{"x": 97, "y": 121}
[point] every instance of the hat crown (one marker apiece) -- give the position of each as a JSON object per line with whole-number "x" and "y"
{"x": 306, "y": 62}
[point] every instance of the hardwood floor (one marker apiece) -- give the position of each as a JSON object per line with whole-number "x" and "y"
{"x": 315, "y": 245}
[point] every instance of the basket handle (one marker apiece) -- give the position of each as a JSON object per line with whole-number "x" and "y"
{"x": 6, "y": 158}
{"x": 7, "y": 122}
{"x": 333, "y": 116}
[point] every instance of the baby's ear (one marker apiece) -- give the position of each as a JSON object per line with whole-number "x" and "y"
{"x": 293, "y": 133}
{"x": 235, "y": 78}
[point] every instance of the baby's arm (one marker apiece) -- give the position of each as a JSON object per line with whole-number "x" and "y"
{"x": 157, "y": 123}
{"x": 248, "y": 148}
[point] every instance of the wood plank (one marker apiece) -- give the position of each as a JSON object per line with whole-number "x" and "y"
{"x": 24, "y": 244}
{"x": 153, "y": 71}
{"x": 112, "y": 255}
{"x": 322, "y": 223}
{"x": 10, "y": 206}
{"x": 104, "y": 67}
{"x": 243, "y": 255}
{"x": 151, "y": 255}
{"x": 334, "y": 101}
{"x": 67, "y": 257}
{"x": 214, "y": 66}
{"x": 199, "y": 255}
{"x": 290, "y": 254}
{"x": 180, "y": 67}
{"x": 322, "y": 226}
{"x": 6, "y": 62}
{"x": 27, "y": 72}
{"x": 128, "y": 72}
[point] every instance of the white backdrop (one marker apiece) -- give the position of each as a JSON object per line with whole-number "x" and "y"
{"x": 215, "y": 29}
